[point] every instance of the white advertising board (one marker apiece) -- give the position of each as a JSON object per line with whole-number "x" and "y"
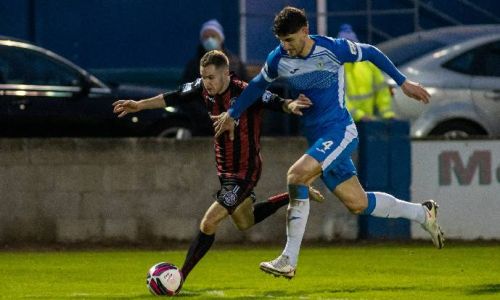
{"x": 464, "y": 178}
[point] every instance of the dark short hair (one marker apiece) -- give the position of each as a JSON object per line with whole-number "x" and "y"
{"x": 216, "y": 58}
{"x": 289, "y": 20}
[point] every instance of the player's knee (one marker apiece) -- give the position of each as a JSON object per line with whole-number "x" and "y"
{"x": 207, "y": 226}
{"x": 296, "y": 175}
{"x": 357, "y": 209}
{"x": 357, "y": 205}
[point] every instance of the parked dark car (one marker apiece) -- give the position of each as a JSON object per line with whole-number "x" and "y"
{"x": 45, "y": 95}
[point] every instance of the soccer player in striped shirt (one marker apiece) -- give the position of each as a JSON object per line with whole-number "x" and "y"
{"x": 313, "y": 65}
{"x": 238, "y": 158}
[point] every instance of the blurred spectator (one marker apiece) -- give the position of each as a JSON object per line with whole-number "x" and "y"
{"x": 212, "y": 38}
{"x": 368, "y": 96}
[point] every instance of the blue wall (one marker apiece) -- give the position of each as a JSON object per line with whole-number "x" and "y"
{"x": 119, "y": 33}
{"x": 164, "y": 34}
{"x": 260, "y": 39}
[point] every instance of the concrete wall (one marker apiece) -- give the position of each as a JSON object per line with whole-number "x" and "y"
{"x": 140, "y": 190}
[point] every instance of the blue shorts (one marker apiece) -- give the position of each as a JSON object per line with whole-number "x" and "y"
{"x": 333, "y": 150}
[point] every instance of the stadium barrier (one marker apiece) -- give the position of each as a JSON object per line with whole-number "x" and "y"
{"x": 385, "y": 165}
{"x": 144, "y": 190}
{"x": 137, "y": 190}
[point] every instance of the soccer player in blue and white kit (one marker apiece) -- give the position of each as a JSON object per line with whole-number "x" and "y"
{"x": 313, "y": 65}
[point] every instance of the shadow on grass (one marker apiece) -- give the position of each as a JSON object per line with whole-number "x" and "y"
{"x": 288, "y": 294}
{"x": 485, "y": 289}
{"x": 146, "y": 295}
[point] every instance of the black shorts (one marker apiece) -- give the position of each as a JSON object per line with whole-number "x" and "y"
{"x": 232, "y": 193}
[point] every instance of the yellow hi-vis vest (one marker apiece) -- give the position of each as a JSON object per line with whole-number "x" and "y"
{"x": 367, "y": 94}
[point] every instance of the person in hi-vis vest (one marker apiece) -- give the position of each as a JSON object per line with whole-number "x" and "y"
{"x": 368, "y": 96}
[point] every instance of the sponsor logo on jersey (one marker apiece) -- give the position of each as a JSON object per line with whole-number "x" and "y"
{"x": 187, "y": 87}
{"x": 352, "y": 48}
{"x": 294, "y": 71}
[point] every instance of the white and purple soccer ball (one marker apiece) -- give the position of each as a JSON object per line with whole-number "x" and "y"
{"x": 164, "y": 279}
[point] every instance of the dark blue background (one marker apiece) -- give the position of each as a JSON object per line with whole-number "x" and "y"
{"x": 164, "y": 34}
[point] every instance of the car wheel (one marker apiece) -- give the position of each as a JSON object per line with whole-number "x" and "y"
{"x": 458, "y": 129}
{"x": 176, "y": 132}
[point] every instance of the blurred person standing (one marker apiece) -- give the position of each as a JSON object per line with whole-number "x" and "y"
{"x": 368, "y": 96}
{"x": 212, "y": 38}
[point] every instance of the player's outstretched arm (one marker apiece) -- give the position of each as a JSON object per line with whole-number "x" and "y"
{"x": 411, "y": 89}
{"x": 256, "y": 87}
{"x": 124, "y": 107}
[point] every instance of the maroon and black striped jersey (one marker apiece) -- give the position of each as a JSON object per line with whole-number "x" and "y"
{"x": 238, "y": 159}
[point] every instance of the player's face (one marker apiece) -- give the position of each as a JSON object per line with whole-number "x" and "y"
{"x": 214, "y": 79}
{"x": 294, "y": 43}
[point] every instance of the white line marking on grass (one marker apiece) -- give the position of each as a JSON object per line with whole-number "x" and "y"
{"x": 216, "y": 293}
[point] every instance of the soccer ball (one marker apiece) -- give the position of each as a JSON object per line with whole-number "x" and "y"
{"x": 164, "y": 279}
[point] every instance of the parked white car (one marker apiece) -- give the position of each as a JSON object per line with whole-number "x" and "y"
{"x": 460, "y": 67}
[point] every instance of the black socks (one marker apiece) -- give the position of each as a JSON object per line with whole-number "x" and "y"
{"x": 199, "y": 247}
{"x": 264, "y": 209}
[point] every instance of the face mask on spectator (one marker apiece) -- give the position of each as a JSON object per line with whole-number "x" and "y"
{"x": 211, "y": 44}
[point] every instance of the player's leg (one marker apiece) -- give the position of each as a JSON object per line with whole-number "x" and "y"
{"x": 250, "y": 213}
{"x": 299, "y": 177}
{"x": 384, "y": 205}
{"x": 243, "y": 216}
{"x": 205, "y": 238}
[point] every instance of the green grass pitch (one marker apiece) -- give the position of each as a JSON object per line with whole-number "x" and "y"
{"x": 354, "y": 271}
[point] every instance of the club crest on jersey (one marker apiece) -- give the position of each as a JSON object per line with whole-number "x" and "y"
{"x": 352, "y": 48}
{"x": 320, "y": 64}
{"x": 266, "y": 97}
{"x": 230, "y": 197}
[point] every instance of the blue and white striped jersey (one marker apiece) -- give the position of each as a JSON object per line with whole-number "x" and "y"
{"x": 319, "y": 76}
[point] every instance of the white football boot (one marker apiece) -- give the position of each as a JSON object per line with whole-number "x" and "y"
{"x": 431, "y": 225}
{"x": 279, "y": 267}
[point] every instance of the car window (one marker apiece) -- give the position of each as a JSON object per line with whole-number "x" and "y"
{"x": 462, "y": 64}
{"x": 480, "y": 61}
{"x": 25, "y": 66}
{"x": 490, "y": 61}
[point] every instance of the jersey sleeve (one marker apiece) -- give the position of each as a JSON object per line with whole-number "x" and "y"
{"x": 272, "y": 101}
{"x": 186, "y": 92}
{"x": 346, "y": 51}
{"x": 379, "y": 59}
{"x": 270, "y": 69}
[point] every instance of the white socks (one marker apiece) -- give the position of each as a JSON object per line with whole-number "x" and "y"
{"x": 387, "y": 206}
{"x": 298, "y": 212}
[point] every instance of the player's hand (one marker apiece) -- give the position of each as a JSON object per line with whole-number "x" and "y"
{"x": 222, "y": 123}
{"x": 123, "y": 107}
{"x": 416, "y": 91}
{"x": 295, "y": 106}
